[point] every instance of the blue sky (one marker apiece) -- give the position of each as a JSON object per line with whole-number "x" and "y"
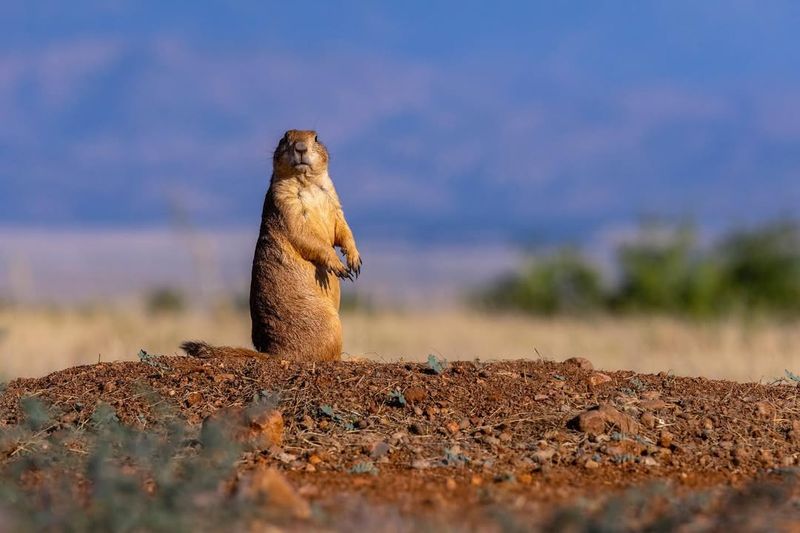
{"x": 451, "y": 120}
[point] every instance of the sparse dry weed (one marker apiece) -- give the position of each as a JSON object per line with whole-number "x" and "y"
{"x": 36, "y": 341}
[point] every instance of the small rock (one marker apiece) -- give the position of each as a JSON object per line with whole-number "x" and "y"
{"x": 451, "y": 484}
{"x": 258, "y": 430}
{"x": 598, "y": 378}
{"x": 398, "y": 437}
{"x": 665, "y": 439}
{"x": 765, "y": 457}
{"x": 594, "y": 421}
{"x": 649, "y": 461}
{"x": 491, "y": 441}
{"x": 220, "y": 378}
{"x": 591, "y": 464}
{"x": 314, "y": 459}
{"x": 625, "y": 447}
{"x": 543, "y": 456}
{"x": 464, "y": 424}
{"x": 708, "y": 424}
{"x": 648, "y": 420}
{"x": 765, "y": 410}
{"x": 452, "y": 428}
{"x": 505, "y": 437}
{"x": 70, "y": 418}
{"x": 109, "y": 386}
{"x": 267, "y": 426}
{"x": 651, "y": 395}
{"x": 525, "y": 479}
{"x": 286, "y": 457}
{"x": 540, "y": 397}
{"x": 476, "y": 480}
{"x": 271, "y": 488}
{"x": 307, "y": 422}
{"x": 740, "y": 455}
{"x": 420, "y": 464}
{"x": 415, "y": 394}
{"x": 580, "y": 362}
{"x": 193, "y": 398}
{"x": 654, "y": 405}
{"x": 379, "y": 449}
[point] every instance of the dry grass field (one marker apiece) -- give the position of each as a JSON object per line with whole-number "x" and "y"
{"x": 34, "y": 342}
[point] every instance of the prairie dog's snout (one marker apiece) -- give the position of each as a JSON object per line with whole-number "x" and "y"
{"x": 300, "y": 154}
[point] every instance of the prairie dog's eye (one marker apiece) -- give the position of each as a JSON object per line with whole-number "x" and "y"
{"x": 316, "y": 139}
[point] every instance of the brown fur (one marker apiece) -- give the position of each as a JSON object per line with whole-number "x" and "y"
{"x": 294, "y": 290}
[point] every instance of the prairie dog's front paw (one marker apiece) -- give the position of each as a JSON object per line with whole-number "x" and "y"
{"x": 354, "y": 262}
{"x": 339, "y": 270}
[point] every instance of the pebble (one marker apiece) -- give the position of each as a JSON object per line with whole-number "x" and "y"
{"x": 580, "y": 362}
{"x": 193, "y": 398}
{"x": 649, "y": 461}
{"x": 648, "y": 420}
{"x": 379, "y": 449}
{"x": 415, "y": 394}
{"x": 543, "y": 456}
{"x": 420, "y": 464}
{"x": 594, "y": 421}
{"x": 765, "y": 410}
{"x": 598, "y": 378}
{"x": 665, "y": 439}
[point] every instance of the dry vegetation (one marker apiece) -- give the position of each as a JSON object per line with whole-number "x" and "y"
{"x": 34, "y": 342}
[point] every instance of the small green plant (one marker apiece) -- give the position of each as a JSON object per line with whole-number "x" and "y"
{"x": 437, "y": 366}
{"x": 454, "y": 458}
{"x": 397, "y": 398}
{"x": 792, "y": 376}
{"x": 152, "y": 360}
{"x": 365, "y": 467}
{"x": 328, "y": 411}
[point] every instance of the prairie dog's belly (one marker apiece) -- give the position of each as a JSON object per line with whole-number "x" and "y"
{"x": 318, "y": 212}
{"x": 283, "y": 275}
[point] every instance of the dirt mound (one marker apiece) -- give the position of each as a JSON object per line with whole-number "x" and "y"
{"x": 463, "y": 437}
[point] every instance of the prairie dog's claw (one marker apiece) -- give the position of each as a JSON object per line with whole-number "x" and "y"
{"x": 355, "y": 266}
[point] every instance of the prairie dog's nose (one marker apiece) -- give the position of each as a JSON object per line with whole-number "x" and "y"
{"x": 300, "y": 146}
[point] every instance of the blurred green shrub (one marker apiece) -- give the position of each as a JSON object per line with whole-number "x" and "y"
{"x": 762, "y": 267}
{"x": 564, "y": 282}
{"x": 165, "y": 300}
{"x": 665, "y": 270}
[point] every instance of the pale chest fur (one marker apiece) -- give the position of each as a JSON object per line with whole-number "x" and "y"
{"x": 315, "y": 203}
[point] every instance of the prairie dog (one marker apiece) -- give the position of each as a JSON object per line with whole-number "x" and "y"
{"x": 294, "y": 289}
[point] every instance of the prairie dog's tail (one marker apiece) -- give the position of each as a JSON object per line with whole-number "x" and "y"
{"x": 204, "y": 350}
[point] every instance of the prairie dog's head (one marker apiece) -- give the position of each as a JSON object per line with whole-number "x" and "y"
{"x": 299, "y": 152}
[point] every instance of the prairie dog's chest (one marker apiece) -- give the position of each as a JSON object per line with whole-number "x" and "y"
{"x": 316, "y": 200}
